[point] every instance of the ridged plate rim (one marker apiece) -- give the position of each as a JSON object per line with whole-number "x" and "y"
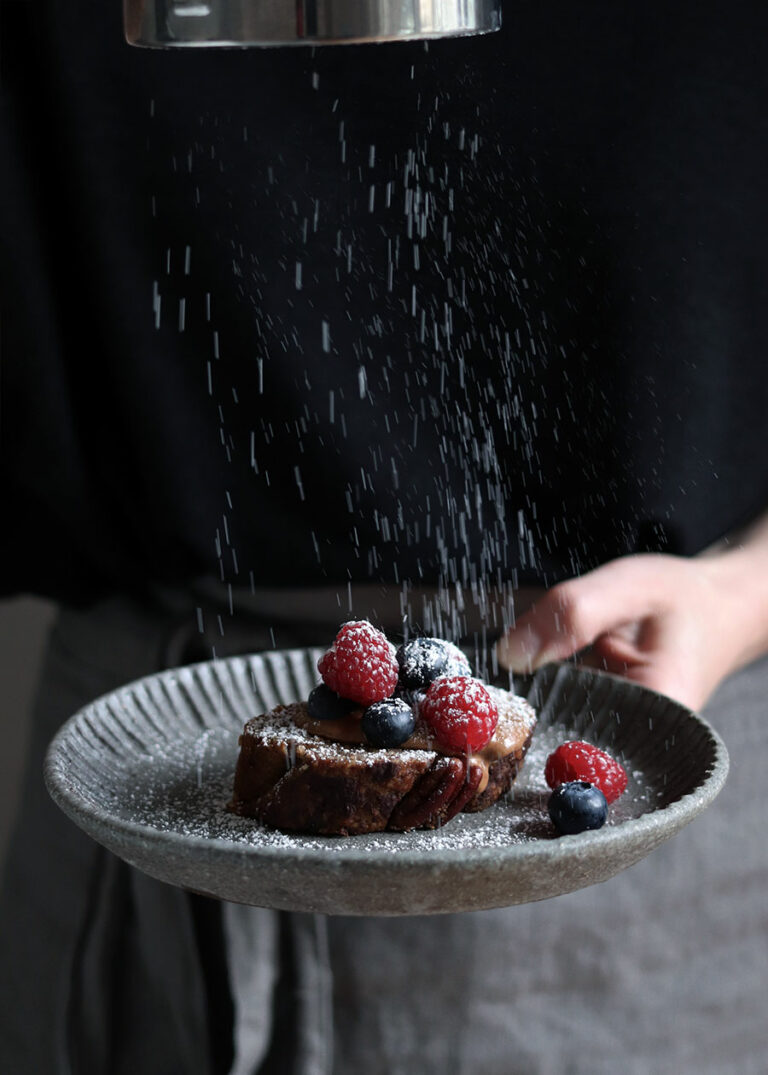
{"x": 66, "y": 786}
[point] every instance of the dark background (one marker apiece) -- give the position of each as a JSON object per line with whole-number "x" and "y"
{"x": 24, "y": 623}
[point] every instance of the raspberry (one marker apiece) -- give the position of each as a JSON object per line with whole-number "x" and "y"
{"x": 582, "y": 761}
{"x": 360, "y": 665}
{"x": 460, "y": 712}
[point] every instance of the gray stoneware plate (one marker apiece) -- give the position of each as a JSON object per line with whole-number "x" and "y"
{"x": 147, "y": 772}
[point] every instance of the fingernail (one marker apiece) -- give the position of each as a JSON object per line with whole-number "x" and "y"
{"x": 519, "y": 650}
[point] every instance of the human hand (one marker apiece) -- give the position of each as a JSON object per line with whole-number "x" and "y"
{"x": 677, "y": 625}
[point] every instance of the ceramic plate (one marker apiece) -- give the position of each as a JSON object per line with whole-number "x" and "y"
{"x": 147, "y": 771}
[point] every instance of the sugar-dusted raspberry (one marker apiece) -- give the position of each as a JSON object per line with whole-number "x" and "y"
{"x": 360, "y": 665}
{"x": 577, "y": 760}
{"x": 460, "y": 712}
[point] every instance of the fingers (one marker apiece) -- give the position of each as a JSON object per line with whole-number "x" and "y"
{"x": 575, "y": 613}
{"x": 666, "y": 622}
{"x": 676, "y": 679}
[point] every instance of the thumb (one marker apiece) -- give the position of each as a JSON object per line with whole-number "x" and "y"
{"x": 573, "y": 614}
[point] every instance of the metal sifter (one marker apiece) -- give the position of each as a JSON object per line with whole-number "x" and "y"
{"x": 243, "y": 23}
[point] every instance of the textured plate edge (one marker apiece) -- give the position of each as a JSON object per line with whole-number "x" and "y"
{"x": 666, "y": 821}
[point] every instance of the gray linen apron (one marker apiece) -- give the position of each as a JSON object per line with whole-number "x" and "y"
{"x": 104, "y": 971}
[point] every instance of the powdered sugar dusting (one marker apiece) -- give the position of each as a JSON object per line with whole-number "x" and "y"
{"x": 513, "y": 709}
{"x": 281, "y": 727}
{"x": 185, "y": 790}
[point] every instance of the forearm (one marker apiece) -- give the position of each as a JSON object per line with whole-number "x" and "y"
{"x": 738, "y": 567}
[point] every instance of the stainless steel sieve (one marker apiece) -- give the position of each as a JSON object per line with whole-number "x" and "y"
{"x": 243, "y": 23}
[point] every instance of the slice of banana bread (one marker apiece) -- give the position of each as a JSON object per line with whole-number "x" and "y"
{"x": 314, "y": 776}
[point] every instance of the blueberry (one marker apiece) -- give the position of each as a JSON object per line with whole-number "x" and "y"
{"x": 422, "y": 660}
{"x": 577, "y": 806}
{"x": 325, "y": 704}
{"x": 389, "y": 723}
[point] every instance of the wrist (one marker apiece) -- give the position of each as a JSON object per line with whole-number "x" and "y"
{"x": 740, "y": 577}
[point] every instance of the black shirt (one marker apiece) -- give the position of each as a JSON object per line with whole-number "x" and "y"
{"x": 491, "y": 308}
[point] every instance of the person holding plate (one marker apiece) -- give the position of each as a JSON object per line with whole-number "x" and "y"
{"x": 475, "y": 332}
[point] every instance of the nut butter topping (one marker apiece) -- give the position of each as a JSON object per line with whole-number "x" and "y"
{"x": 344, "y": 730}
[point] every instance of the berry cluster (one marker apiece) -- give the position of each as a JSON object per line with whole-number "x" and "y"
{"x": 363, "y": 671}
{"x": 584, "y": 780}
